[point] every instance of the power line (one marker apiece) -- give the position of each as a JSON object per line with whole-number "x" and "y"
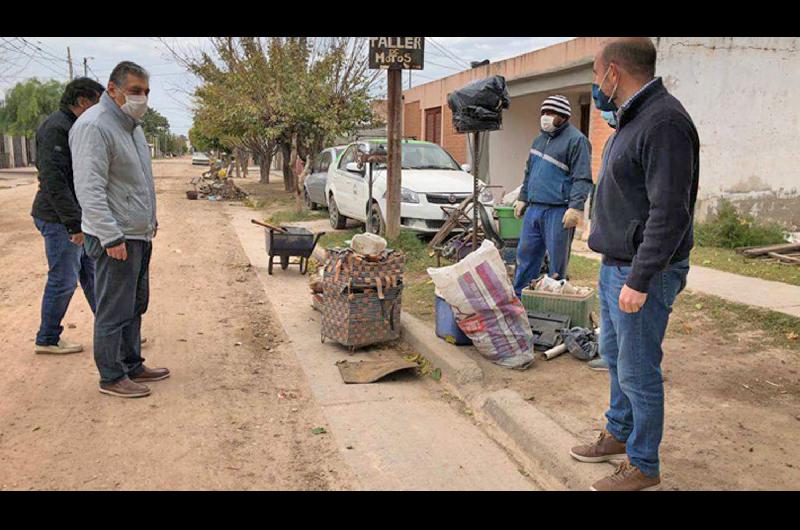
{"x": 26, "y": 54}
{"x": 445, "y": 66}
{"x": 447, "y": 52}
{"x": 51, "y": 54}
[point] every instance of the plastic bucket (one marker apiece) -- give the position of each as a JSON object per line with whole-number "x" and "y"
{"x": 510, "y": 226}
{"x": 446, "y": 326}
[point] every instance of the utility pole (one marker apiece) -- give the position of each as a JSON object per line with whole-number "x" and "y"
{"x": 85, "y": 68}
{"x": 69, "y": 61}
{"x": 393, "y": 166}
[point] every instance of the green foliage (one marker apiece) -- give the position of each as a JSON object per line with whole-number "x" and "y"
{"x": 27, "y": 104}
{"x": 154, "y": 124}
{"x": 728, "y": 228}
{"x": 259, "y": 93}
{"x": 202, "y": 142}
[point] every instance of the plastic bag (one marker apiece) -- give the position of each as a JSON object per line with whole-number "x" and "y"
{"x": 368, "y": 244}
{"x": 478, "y": 105}
{"x": 486, "y": 308}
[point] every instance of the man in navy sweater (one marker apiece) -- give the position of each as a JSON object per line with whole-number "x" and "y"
{"x": 642, "y": 226}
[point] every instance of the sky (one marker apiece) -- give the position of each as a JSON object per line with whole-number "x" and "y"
{"x": 171, "y": 85}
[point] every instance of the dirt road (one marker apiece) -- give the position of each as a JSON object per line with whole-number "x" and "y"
{"x": 244, "y": 397}
{"x": 217, "y": 423}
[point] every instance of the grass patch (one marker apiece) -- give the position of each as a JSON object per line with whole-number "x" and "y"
{"x": 583, "y": 271}
{"x": 724, "y": 318}
{"x": 292, "y": 216}
{"x": 727, "y": 260}
{"x": 729, "y": 319}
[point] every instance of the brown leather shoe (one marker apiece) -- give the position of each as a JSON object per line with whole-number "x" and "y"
{"x": 149, "y": 375}
{"x": 124, "y": 388}
{"x": 627, "y": 477}
{"x": 604, "y": 448}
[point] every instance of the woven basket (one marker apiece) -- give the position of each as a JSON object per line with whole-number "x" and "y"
{"x": 355, "y": 271}
{"x": 362, "y": 299}
{"x": 360, "y": 318}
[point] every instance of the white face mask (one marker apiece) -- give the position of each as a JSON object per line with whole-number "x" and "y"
{"x": 547, "y": 123}
{"x": 135, "y": 106}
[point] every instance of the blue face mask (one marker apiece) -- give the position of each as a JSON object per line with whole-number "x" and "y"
{"x": 601, "y": 101}
{"x": 610, "y": 117}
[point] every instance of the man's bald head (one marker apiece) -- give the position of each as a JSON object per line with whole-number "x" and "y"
{"x": 635, "y": 55}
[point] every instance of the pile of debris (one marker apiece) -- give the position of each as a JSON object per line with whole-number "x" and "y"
{"x": 786, "y": 253}
{"x": 215, "y": 185}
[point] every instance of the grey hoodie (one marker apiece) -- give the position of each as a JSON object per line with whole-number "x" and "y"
{"x": 113, "y": 175}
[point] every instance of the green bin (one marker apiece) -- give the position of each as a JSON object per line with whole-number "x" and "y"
{"x": 510, "y": 226}
{"x": 578, "y": 308}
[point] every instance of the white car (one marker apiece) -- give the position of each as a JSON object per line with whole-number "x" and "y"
{"x": 430, "y": 178}
{"x": 199, "y": 158}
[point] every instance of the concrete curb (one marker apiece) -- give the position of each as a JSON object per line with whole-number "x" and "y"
{"x": 543, "y": 441}
{"x": 540, "y": 440}
{"x": 456, "y": 367}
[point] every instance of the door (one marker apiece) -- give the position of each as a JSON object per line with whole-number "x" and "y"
{"x": 346, "y": 185}
{"x": 316, "y": 180}
{"x": 433, "y": 125}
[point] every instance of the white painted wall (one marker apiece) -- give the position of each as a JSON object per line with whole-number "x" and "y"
{"x": 742, "y": 93}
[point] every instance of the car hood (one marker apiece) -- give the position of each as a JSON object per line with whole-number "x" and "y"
{"x": 436, "y": 180}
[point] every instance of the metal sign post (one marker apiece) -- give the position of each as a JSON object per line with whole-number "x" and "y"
{"x": 395, "y": 54}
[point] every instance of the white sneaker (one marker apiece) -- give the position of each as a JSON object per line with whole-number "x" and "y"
{"x": 61, "y": 348}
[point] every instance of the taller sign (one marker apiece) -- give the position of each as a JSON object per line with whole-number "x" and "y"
{"x": 400, "y": 53}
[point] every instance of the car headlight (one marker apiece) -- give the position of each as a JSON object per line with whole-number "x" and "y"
{"x": 407, "y": 195}
{"x": 485, "y": 195}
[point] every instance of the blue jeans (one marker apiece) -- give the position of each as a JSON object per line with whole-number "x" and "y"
{"x": 542, "y": 230}
{"x": 631, "y": 345}
{"x": 123, "y": 294}
{"x": 68, "y": 264}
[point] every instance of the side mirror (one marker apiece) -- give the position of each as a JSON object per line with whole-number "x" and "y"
{"x": 352, "y": 167}
{"x": 466, "y": 167}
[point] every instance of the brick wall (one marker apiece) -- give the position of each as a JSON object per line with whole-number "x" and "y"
{"x": 453, "y": 142}
{"x": 412, "y": 120}
{"x": 599, "y": 132}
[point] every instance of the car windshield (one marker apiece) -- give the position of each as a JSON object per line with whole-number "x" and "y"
{"x": 425, "y": 156}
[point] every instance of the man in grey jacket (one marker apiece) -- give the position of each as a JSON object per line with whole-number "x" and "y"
{"x": 114, "y": 185}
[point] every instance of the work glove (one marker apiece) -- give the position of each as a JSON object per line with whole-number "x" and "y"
{"x": 519, "y": 209}
{"x": 572, "y": 217}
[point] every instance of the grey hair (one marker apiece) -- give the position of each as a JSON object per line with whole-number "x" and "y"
{"x": 121, "y": 71}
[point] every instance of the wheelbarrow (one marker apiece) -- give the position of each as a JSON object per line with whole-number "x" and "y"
{"x": 289, "y": 241}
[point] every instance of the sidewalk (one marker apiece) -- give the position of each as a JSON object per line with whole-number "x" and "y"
{"x": 400, "y": 434}
{"x": 775, "y": 296}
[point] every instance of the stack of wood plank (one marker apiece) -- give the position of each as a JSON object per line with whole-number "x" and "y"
{"x": 788, "y": 253}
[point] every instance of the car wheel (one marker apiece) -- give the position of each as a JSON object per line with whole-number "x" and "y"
{"x": 308, "y": 202}
{"x": 338, "y": 221}
{"x": 378, "y": 226}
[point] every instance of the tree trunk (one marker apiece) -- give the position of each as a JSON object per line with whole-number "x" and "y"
{"x": 246, "y": 162}
{"x": 265, "y": 162}
{"x": 287, "y": 159}
{"x": 238, "y": 155}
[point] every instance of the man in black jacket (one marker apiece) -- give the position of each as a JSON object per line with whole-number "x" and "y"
{"x": 642, "y": 226}
{"x": 57, "y": 215}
